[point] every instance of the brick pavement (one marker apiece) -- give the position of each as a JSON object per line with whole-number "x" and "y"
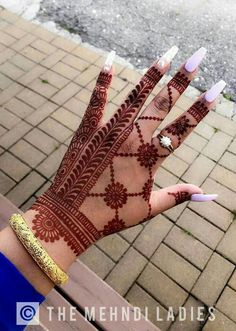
{"x": 186, "y": 256}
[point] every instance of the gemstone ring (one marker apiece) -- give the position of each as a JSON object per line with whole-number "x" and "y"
{"x": 166, "y": 142}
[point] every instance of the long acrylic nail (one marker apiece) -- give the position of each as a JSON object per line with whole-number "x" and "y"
{"x": 193, "y": 62}
{"x": 214, "y": 91}
{"x": 203, "y": 197}
{"x": 168, "y": 57}
{"x": 109, "y": 61}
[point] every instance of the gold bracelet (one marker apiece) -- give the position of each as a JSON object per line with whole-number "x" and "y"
{"x": 36, "y": 250}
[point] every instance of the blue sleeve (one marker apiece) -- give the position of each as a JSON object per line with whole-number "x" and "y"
{"x": 18, "y": 298}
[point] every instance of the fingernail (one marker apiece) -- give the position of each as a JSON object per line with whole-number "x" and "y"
{"x": 214, "y": 91}
{"x": 194, "y": 60}
{"x": 203, "y": 197}
{"x": 168, "y": 57}
{"x": 109, "y": 61}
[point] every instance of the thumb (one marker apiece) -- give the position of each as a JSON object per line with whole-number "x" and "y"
{"x": 171, "y": 196}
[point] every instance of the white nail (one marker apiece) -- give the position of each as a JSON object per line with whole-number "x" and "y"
{"x": 214, "y": 91}
{"x": 203, "y": 197}
{"x": 168, "y": 57}
{"x": 109, "y": 61}
{"x": 194, "y": 60}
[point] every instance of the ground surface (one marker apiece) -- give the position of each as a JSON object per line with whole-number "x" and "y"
{"x": 141, "y": 30}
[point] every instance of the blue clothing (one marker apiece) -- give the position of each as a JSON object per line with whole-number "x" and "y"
{"x": 14, "y": 287}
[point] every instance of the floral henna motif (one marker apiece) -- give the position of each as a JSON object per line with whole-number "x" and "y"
{"x": 180, "y": 82}
{"x": 93, "y": 149}
{"x": 179, "y": 127}
{"x": 180, "y": 197}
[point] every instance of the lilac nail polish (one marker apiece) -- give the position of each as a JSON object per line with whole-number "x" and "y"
{"x": 214, "y": 91}
{"x": 203, "y": 197}
{"x": 194, "y": 61}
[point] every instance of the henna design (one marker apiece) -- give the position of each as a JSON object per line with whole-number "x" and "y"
{"x": 198, "y": 110}
{"x": 180, "y": 196}
{"x": 151, "y": 118}
{"x": 93, "y": 149}
{"x": 162, "y": 103}
{"x": 179, "y": 127}
{"x": 180, "y": 82}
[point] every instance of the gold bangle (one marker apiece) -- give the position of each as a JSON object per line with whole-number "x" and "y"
{"x": 36, "y": 250}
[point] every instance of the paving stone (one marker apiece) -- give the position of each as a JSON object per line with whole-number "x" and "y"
{"x": 10, "y": 92}
{"x": 130, "y": 75}
{"x": 163, "y": 289}
{"x": 76, "y": 106}
{"x": 195, "y": 316}
{"x": 87, "y": 75}
{"x": 20, "y": 193}
{"x": 6, "y": 54}
{"x": 19, "y": 108}
{"x": 66, "y": 45}
{"x": 84, "y": 95}
{"x": 199, "y": 170}
{"x": 205, "y": 130}
{"x": 54, "y": 79}
{"x": 44, "y": 34}
{"x": 176, "y": 267}
{"x": 200, "y": 228}
{"x": 114, "y": 246}
{"x": 174, "y": 212}
{"x": 232, "y": 147}
{"x": 28, "y": 204}
{"x": 232, "y": 281}
{"x": 227, "y": 303}
{"x": 4, "y": 81}
{"x": 43, "y": 46}
{"x": 86, "y": 54}
{"x": 228, "y": 161}
{"x": 221, "y": 123}
{"x": 175, "y": 165}
{"x": 2, "y": 131}
{"x": 55, "y": 129}
{"x": 7, "y": 119}
{"x": 184, "y": 102}
{"x": 33, "y": 54}
{"x": 128, "y": 268}
{"x": 6, "y": 39}
{"x": 50, "y": 165}
{"x": 225, "y": 177}
{"x": 165, "y": 178}
{"x": 214, "y": 212}
{"x": 75, "y": 62}
{"x": 45, "y": 89}
{"x": 25, "y": 25}
{"x": 118, "y": 83}
{"x": 6, "y": 183}
{"x": 22, "y": 62}
{"x": 116, "y": 66}
{"x": 120, "y": 98}
{"x": 227, "y": 245}
{"x": 131, "y": 233}
{"x": 186, "y": 153}
{"x": 23, "y": 42}
{"x": 187, "y": 246}
{"x": 17, "y": 132}
{"x": 217, "y": 145}
{"x": 213, "y": 279}
{"x": 31, "y": 98}
{"x": 11, "y": 71}
{"x": 97, "y": 261}
{"x": 31, "y": 75}
{"x": 52, "y": 59}
{"x": 42, "y": 189}
{"x": 42, "y": 112}
{"x": 195, "y": 141}
{"x": 67, "y": 118}
{"x": 226, "y": 197}
{"x": 65, "y": 70}
{"x": 27, "y": 153}
{"x": 220, "y": 323}
{"x": 65, "y": 93}
{"x": 157, "y": 314}
{"x": 152, "y": 235}
{"x": 13, "y": 167}
{"x": 9, "y": 16}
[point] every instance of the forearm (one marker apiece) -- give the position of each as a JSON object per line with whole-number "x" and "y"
{"x": 12, "y": 248}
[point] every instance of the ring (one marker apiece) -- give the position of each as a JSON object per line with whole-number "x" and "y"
{"x": 166, "y": 142}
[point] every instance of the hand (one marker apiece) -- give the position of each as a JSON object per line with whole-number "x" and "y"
{"x": 104, "y": 183}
